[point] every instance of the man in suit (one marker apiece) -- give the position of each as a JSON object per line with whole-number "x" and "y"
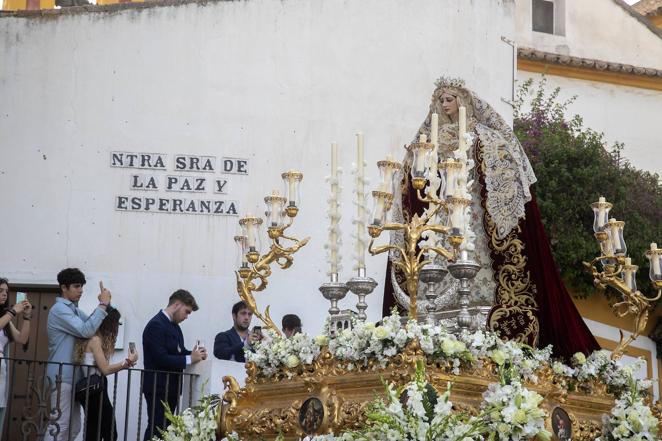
{"x": 229, "y": 345}
{"x": 163, "y": 346}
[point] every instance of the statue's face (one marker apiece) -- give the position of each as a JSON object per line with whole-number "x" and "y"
{"x": 449, "y": 104}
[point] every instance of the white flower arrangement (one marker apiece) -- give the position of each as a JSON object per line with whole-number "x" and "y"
{"x": 630, "y": 420}
{"x": 506, "y": 404}
{"x": 274, "y": 352}
{"x": 193, "y": 424}
{"x": 366, "y": 341}
{"x": 513, "y": 412}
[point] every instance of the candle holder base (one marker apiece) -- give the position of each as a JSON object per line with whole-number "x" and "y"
{"x": 464, "y": 271}
{"x": 334, "y": 291}
{"x": 432, "y": 274}
{"x": 361, "y": 286}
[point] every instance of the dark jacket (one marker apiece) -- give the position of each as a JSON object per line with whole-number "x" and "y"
{"x": 227, "y": 344}
{"x": 163, "y": 346}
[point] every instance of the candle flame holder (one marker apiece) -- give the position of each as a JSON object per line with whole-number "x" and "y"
{"x": 610, "y": 270}
{"x": 410, "y": 258}
{"x": 254, "y": 277}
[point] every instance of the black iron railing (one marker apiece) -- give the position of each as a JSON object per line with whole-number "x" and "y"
{"x": 37, "y": 403}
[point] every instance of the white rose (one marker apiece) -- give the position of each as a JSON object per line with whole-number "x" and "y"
{"x": 321, "y": 340}
{"x": 381, "y": 333}
{"x": 292, "y": 361}
{"x": 579, "y": 358}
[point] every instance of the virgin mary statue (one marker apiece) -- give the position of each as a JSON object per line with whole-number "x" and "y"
{"x": 518, "y": 290}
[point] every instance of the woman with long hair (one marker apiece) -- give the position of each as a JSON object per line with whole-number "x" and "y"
{"x": 97, "y": 352}
{"x": 9, "y": 333}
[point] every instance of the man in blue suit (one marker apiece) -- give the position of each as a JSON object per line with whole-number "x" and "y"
{"x": 163, "y": 347}
{"x": 230, "y": 344}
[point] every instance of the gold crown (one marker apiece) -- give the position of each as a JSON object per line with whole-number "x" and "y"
{"x": 449, "y": 82}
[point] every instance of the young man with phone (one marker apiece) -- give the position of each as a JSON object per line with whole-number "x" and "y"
{"x": 66, "y": 323}
{"x": 163, "y": 347}
{"x": 230, "y": 344}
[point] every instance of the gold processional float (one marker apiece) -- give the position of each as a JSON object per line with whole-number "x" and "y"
{"x": 336, "y": 392}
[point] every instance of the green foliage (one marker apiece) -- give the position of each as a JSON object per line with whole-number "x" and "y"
{"x": 574, "y": 168}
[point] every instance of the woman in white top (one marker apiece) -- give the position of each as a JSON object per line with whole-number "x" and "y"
{"x": 9, "y": 333}
{"x": 97, "y": 352}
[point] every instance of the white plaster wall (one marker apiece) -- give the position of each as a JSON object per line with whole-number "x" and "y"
{"x": 271, "y": 81}
{"x": 625, "y": 114}
{"x": 598, "y": 29}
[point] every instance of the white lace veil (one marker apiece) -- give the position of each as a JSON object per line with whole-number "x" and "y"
{"x": 508, "y": 172}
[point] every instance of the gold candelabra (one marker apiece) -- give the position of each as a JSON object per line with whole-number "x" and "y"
{"x": 618, "y": 272}
{"x": 412, "y": 256}
{"x": 255, "y": 268}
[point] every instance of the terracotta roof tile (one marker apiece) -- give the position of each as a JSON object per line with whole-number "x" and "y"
{"x": 648, "y": 7}
{"x": 588, "y": 63}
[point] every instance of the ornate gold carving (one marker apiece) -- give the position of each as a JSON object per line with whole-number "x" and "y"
{"x": 410, "y": 258}
{"x": 586, "y": 430}
{"x": 261, "y": 269}
{"x": 657, "y": 412}
{"x": 251, "y": 423}
{"x": 634, "y": 302}
{"x": 268, "y": 406}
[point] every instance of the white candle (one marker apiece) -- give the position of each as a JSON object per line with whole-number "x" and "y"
{"x": 250, "y": 233}
{"x": 388, "y": 179}
{"x": 456, "y": 211}
{"x": 615, "y": 238}
{"x": 273, "y": 215}
{"x": 628, "y": 273}
{"x": 290, "y": 182}
{"x": 333, "y": 237}
{"x": 451, "y": 176}
{"x": 434, "y": 156}
{"x": 434, "y": 129}
{"x": 462, "y": 129}
{"x": 420, "y": 158}
{"x": 334, "y": 160}
{"x": 655, "y": 260}
{"x": 607, "y": 247}
{"x": 601, "y": 211}
{"x": 379, "y": 212}
{"x": 360, "y": 196}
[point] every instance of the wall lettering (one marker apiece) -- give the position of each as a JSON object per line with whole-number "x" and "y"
{"x": 195, "y": 163}
{"x": 144, "y": 182}
{"x": 158, "y": 181}
{"x": 154, "y": 161}
{"x": 235, "y": 166}
{"x": 186, "y": 183}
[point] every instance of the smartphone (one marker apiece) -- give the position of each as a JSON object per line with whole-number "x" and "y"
{"x": 132, "y": 347}
{"x": 21, "y": 297}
